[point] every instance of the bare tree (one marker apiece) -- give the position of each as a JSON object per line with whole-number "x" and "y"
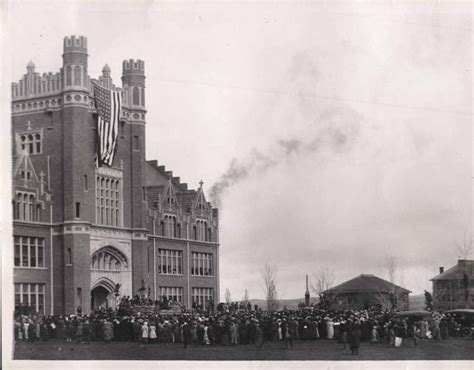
{"x": 269, "y": 276}
{"x": 393, "y": 296}
{"x": 390, "y": 268}
{"x": 464, "y": 249}
{"x": 227, "y": 296}
{"x": 322, "y": 280}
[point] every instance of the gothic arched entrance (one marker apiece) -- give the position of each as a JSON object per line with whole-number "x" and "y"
{"x": 99, "y": 297}
{"x": 109, "y": 269}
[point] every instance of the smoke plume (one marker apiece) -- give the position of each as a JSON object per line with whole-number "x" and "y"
{"x": 337, "y": 134}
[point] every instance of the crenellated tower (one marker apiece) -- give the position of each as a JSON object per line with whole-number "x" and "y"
{"x": 74, "y": 70}
{"x": 81, "y": 229}
{"x": 78, "y": 172}
{"x": 133, "y": 87}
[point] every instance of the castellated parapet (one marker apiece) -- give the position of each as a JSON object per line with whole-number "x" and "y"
{"x": 133, "y": 82}
{"x": 35, "y": 92}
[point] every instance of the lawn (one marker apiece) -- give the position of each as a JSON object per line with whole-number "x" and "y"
{"x": 451, "y": 349}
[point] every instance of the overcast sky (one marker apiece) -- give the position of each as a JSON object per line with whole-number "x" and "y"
{"x": 330, "y": 135}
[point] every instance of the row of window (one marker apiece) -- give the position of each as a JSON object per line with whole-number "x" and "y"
{"x": 170, "y": 262}
{"x": 31, "y": 295}
{"x": 172, "y": 229}
{"x": 77, "y": 76}
{"x": 31, "y": 143}
{"x": 26, "y": 208}
{"x": 200, "y": 296}
{"x": 201, "y": 231}
{"x": 108, "y": 201}
{"x": 28, "y": 251}
{"x": 201, "y": 264}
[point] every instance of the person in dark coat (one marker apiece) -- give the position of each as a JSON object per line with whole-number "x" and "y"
{"x": 287, "y": 335}
{"x": 86, "y": 332}
{"x": 258, "y": 336}
{"x": 354, "y": 339}
{"x": 187, "y": 336}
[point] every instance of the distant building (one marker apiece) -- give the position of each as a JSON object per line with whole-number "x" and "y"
{"x": 454, "y": 288}
{"x": 365, "y": 291}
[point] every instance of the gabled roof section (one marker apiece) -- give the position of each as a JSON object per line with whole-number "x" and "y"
{"x": 156, "y": 175}
{"x": 457, "y": 272}
{"x": 169, "y": 195}
{"x": 187, "y": 199}
{"x": 153, "y": 195}
{"x": 200, "y": 199}
{"x": 365, "y": 283}
{"x": 23, "y": 169}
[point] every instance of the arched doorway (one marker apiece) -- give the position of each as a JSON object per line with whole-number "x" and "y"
{"x": 109, "y": 270}
{"x": 99, "y": 297}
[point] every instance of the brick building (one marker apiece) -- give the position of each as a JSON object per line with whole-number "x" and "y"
{"x": 454, "y": 288}
{"x": 365, "y": 291}
{"x": 80, "y": 229}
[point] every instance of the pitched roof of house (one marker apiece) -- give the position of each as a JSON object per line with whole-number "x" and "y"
{"x": 457, "y": 271}
{"x": 365, "y": 283}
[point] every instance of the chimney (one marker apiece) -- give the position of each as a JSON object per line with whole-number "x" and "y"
{"x": 441, "y": 269}
{"x": 462, "y": 263}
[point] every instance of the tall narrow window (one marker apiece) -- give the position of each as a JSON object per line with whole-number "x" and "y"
{"x": 86, "y": 183}
{"x": 108, "y": 201}
{"x": 68, "y": 76}
{"x": 26, "y": 207}
{"x": 136, "y": 143}
{"x": 77, "y": 75}
{"x": 69, "y": 256}
{"x": 136, "y": 96}
{"x": 78, "y": 210}
{"x": 79, "y": 297}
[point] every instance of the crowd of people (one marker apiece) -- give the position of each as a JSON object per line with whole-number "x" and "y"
{"x": 234, "y": 324}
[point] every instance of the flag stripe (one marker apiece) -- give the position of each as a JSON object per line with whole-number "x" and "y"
{"x": 109, "y": 106}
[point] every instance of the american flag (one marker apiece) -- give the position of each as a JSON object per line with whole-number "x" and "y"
{"x": 109, "y": 105}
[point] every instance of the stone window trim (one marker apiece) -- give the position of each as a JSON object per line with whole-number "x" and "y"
{"x": 31, "y": 140}
{"x": 30, "y": 294}
{"x": 172, "y": 293}
{"x": 202, "y": 264}
{"x": 28, "y": 252}
{"x": 202, "y": 296}
{"x": 170, "y": 262}
{"x": 26, "y": 206}
{"x": 108, "y": 200}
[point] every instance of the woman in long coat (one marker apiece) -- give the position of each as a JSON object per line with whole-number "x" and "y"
{"x": 108, "y": 331}
{"x": 330, "y": 328}
{"x": 145, "y": 332}
{"x": 152, "y": 332}
{"x": 234, "y": 333}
